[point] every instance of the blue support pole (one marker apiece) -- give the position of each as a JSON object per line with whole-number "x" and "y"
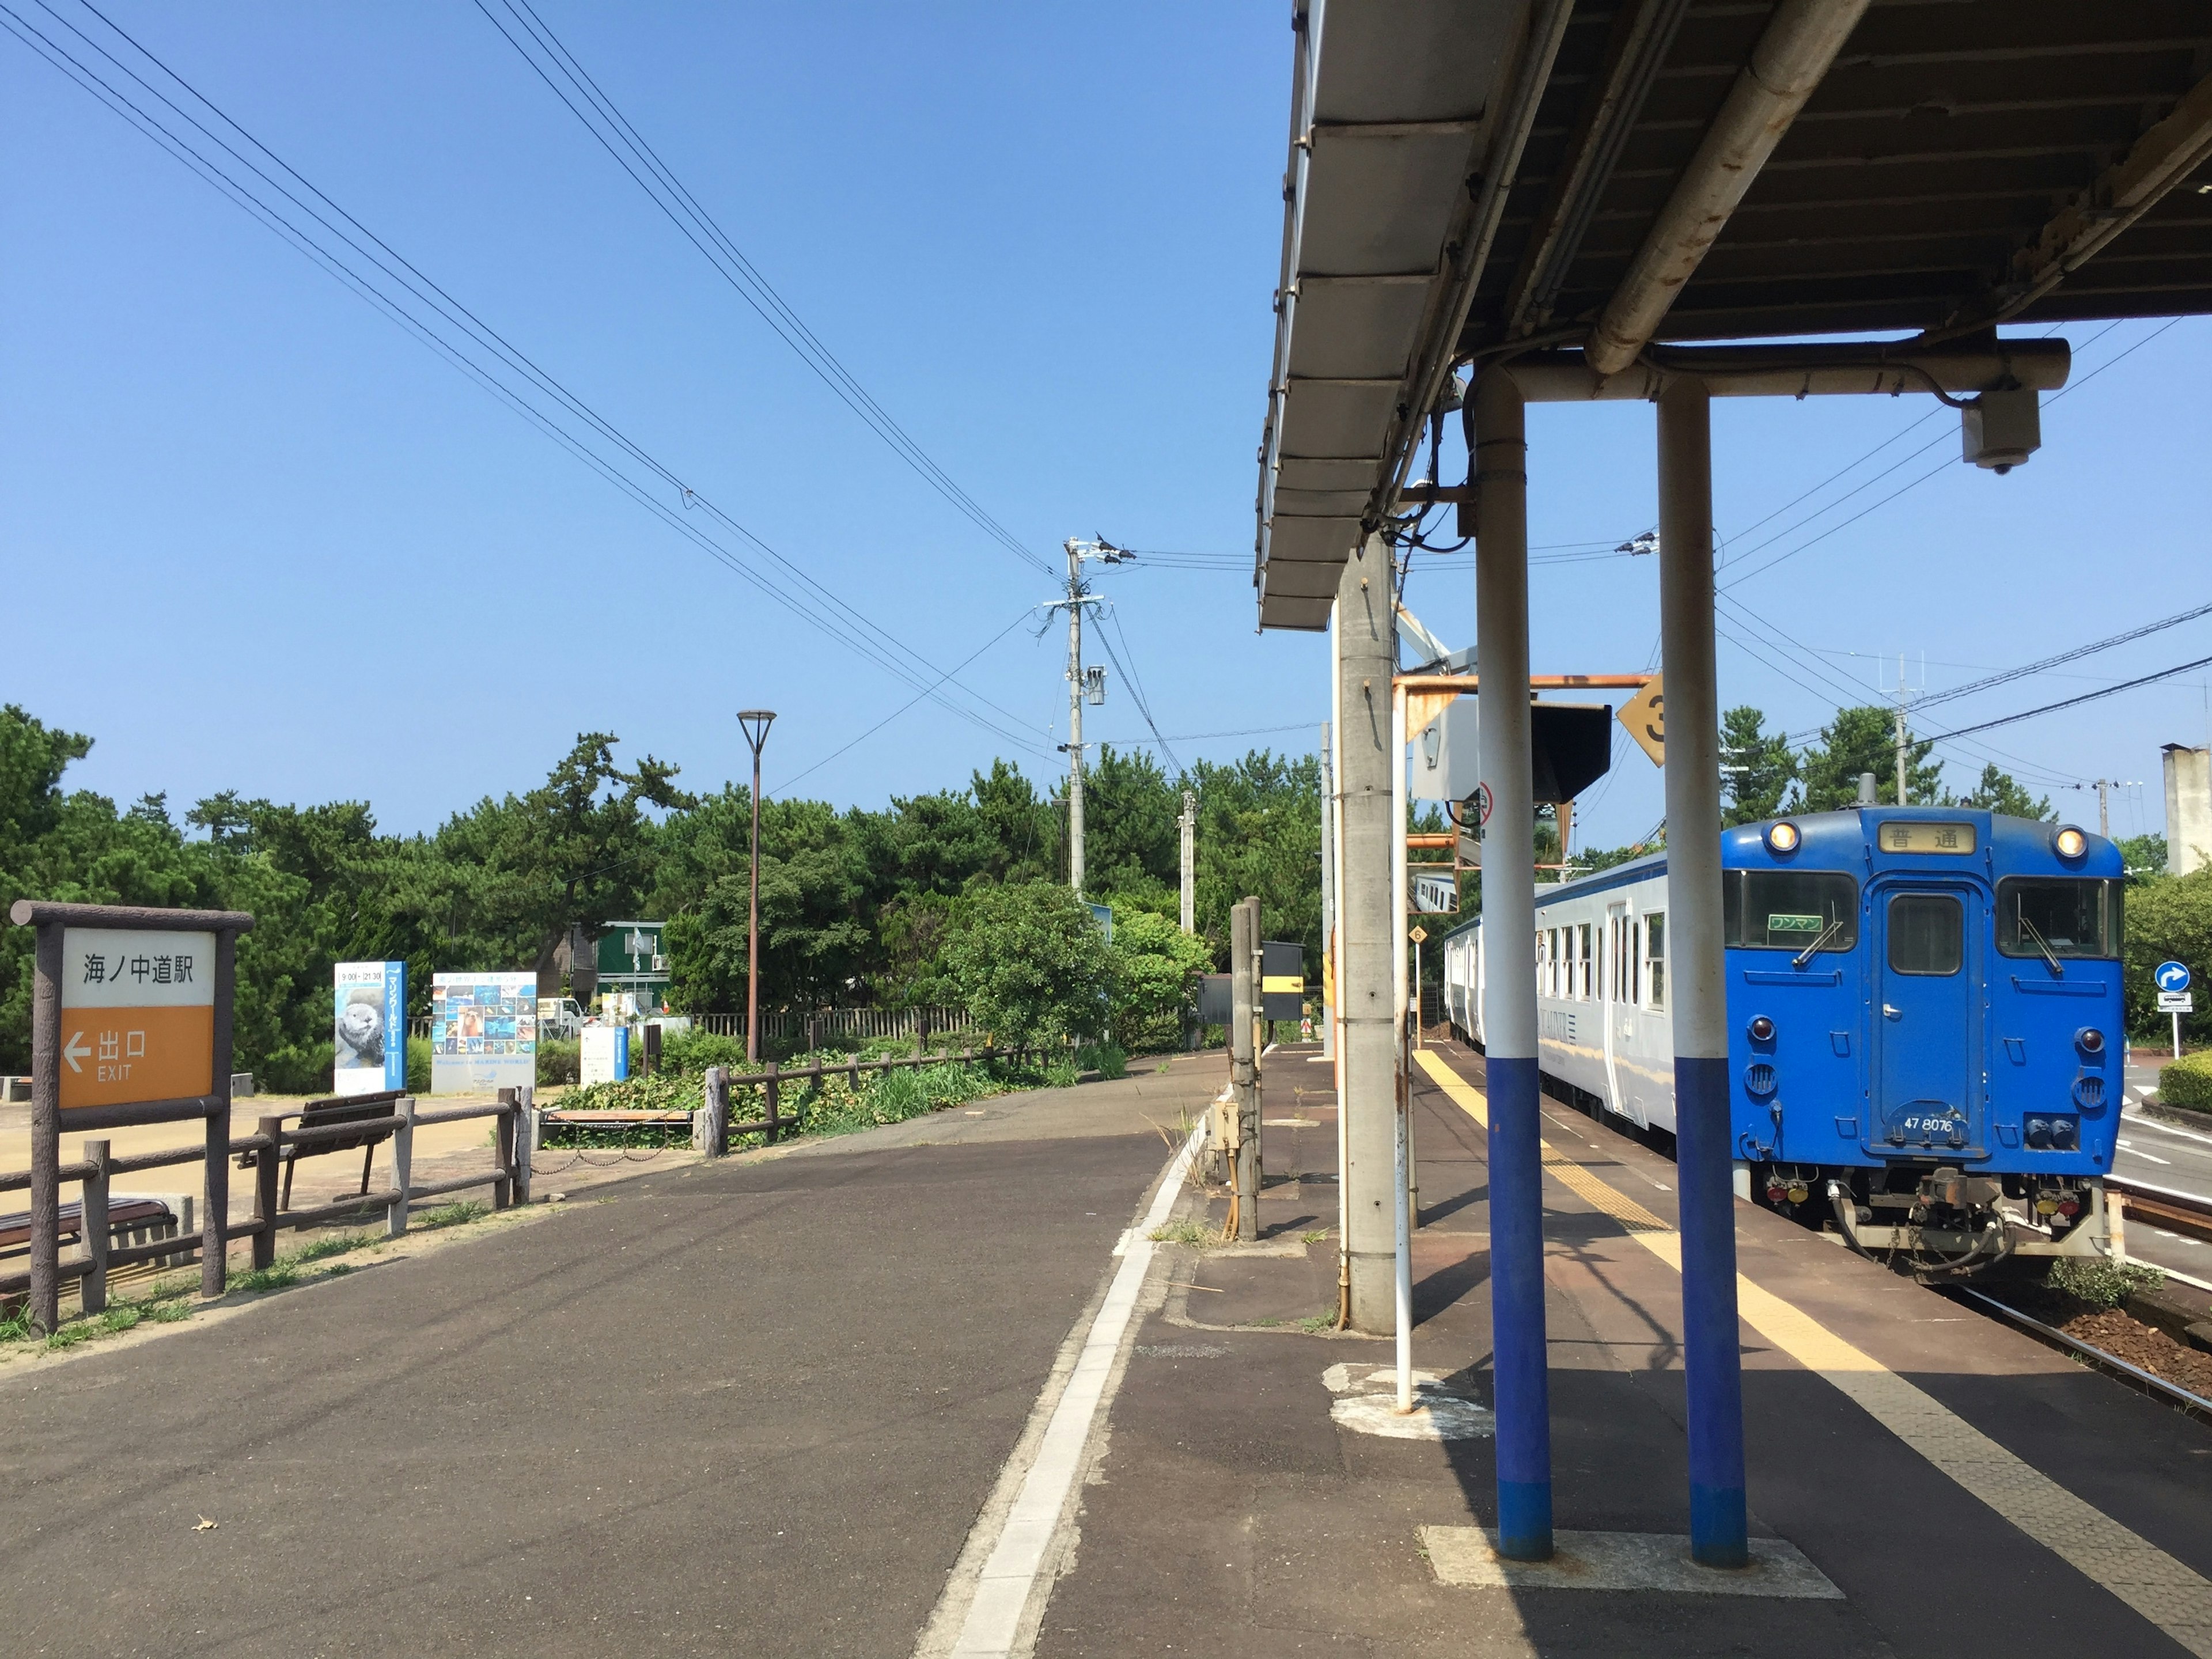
{"x": 1508, "y": 996}
{"x": 1698, "y": 992}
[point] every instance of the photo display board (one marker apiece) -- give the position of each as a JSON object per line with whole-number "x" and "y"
{"x": 369, "y": 1028}
{"x": 484, "y": 1032}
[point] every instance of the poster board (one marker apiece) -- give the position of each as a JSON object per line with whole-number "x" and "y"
{"x": 484, "y": 1032}
{"x": 369, "y": 1027}
{"x": 603, "y": 1056}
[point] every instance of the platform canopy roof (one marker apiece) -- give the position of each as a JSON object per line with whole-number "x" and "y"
{"x": 1471, "y": 178}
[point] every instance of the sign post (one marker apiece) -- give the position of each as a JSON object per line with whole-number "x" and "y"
{"x": 2174, "y": 996}
{"x": 130, "y": 1023}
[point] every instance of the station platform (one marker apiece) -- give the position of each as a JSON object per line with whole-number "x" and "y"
{"x": 1922, "y": 1480}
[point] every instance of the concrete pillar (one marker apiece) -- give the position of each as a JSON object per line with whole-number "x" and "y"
{"x": 1367, "y": 934}
{"x": 2188, "y": 809}
{"x": 1696, "y": 986}
{"x": 1508, "y": 812}
{"x": 1328, "y": 887}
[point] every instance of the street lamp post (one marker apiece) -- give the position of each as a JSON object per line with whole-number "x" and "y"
{"x": 755, "y": 722}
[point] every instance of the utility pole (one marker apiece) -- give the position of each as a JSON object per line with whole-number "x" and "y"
{"x": 754, "y": 723}
{"x": 1080, "y": 687}
{"x": 1189, "y": 822}
{"x": 1902, "y": 746}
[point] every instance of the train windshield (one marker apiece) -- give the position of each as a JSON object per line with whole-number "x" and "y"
{"x": 1790, "y": 909}
{"x": 2065, "y": 915}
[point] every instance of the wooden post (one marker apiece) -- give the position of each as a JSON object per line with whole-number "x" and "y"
{"x": 502, "y": 1189}
{"x": 525, "y": 1141}
{"x": 92, "y": 1289}
{"x": 215, "y": 1224}
{"x": 264, "y": 1189}
{"x": 772, "y": 1089}
{"x": 716, "y": 1097}
{"x": 45, "y": 1307}
{"x": 403, "y": 1166}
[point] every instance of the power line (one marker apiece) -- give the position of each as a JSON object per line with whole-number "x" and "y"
{"x": 615, "y": 133}
{"x": 1136, "y": 687}
{"x": 2079, "y": 651}
{"x": 417, "y": 304}
{"x": 2087, "y": 697}
{"x": 1023, "y": 617}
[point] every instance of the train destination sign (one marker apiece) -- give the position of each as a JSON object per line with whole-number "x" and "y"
{"x": 1911, "y": 835}
{"x": 138, "y": 1016}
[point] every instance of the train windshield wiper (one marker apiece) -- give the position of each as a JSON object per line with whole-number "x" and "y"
{"x": 2035, "y": 937}
{"x": 1806, "y": 955}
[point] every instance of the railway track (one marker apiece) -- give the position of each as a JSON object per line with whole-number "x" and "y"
{"x": 2184, "y": 1212}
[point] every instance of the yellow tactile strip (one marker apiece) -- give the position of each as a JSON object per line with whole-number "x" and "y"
{"x": 2170, "y": 1594}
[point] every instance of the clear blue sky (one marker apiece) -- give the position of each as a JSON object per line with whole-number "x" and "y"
{"x": 258, "y": 537}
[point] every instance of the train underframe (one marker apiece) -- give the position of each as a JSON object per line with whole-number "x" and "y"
{"x": 1948, "y": 1221}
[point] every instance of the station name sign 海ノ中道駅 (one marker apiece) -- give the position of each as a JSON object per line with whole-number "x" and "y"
{"x": 137, "y": 1012}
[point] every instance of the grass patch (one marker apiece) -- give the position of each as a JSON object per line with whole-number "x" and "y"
{"x": 336, "y": 1244}
{"x": 18, "y": 1328}
{"x": 1188, "y": 1231}
{"x": 1315, "y": 1324}
{"x": 275, "y": 1277}
{"x": 452, "y": 1215}
{"x": 1062, "y": 1074}
{"x": 2101, "y": 1283}
{"x": 1314, "y": 1237}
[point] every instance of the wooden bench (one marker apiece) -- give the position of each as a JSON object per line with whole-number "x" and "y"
{"x": 377, "y": 1114}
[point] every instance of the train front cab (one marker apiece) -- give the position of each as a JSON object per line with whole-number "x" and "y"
{"x": 1925, "y": 1038}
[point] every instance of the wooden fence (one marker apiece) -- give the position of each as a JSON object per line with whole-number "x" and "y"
{"x": 262, "y": 1151}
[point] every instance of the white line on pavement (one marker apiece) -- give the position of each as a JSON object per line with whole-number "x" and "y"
{"x": 993, "y": 1623}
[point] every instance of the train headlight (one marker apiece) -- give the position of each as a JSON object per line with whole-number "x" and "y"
{"x": 2090, "y": 1039}
{"x": 1762, "y": 1029}
{"x": 2071, "y": 843}
{"x": 1783, "y": 837}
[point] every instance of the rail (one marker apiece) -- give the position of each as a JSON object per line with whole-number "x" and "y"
{"x": 2184, "y": 1212}
{"x": 2158, "y": 1388}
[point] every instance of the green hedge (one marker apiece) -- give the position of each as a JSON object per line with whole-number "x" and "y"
{"x": 2187, "y": 1082}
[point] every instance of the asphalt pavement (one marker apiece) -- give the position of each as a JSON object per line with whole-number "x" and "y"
{"x": 749, "y": 1406}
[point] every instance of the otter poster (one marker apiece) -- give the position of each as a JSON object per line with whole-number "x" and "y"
{"x": 370, "y": 1052}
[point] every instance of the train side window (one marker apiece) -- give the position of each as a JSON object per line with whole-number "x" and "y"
{"x": 1655, "y": 961}
{"x": 1789, "y": 909}
{"x": 2074, "y": 916}
{"x": 1582, "y": 963}
{"x": 1927, "y": 934}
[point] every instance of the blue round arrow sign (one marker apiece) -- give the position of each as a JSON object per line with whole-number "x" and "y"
{"x": 2173, "y": 976}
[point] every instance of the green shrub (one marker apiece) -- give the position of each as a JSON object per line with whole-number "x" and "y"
{"x": 1062, "y": 1074}
{"x": 2187, "y": 1082}
{"x": 558, "y": 1060}
{"x": 418, "y": 1066}
{"x": 693, "y": 1051}
{"x": 2100, "y": 1283}
{"x": 1104, "y": 1058}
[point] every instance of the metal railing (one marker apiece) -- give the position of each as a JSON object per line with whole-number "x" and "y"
{"x": 823, "y": 1024}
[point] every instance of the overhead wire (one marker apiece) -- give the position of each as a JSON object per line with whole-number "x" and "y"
{"x": 446, "y": 318}
{"x": 616, "y": 134}
{"x": 1136, "y": 686}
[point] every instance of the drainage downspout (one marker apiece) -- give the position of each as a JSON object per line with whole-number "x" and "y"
{"x": 1788, "y": 62}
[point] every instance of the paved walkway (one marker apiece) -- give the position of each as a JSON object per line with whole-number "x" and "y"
{"x": 1939, "y": 1484}
{"x": 752, "y": 1406}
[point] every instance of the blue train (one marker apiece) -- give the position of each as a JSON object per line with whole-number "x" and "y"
{"x": 1924, "y": 1010}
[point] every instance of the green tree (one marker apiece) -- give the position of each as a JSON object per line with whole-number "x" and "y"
{"x": 1155, "y": 965}
{"x": 2000, "y": 791}
{"x": 2169, "y": 918}
{"x": 1864, "y": 739}
{"x": 520, "y": 874}
{"x": 1259, "y": 832}
{"x": 1758, "y": 767}
{"x": 2145, "y": 856}
{"x": 1029, "y": 962}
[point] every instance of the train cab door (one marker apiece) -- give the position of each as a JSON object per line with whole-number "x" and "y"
{"x": 1616, "y": 1002}
{"x": 1926, "y": 945}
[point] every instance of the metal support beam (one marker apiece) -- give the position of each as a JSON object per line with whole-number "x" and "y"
{"x": 1697, "y": 989}
{"x": 1367, "y": 647}
{"x": 1509, "y": 1005}
{"x": 1801, "y": 40}
{"x": 2169, "y": 153}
